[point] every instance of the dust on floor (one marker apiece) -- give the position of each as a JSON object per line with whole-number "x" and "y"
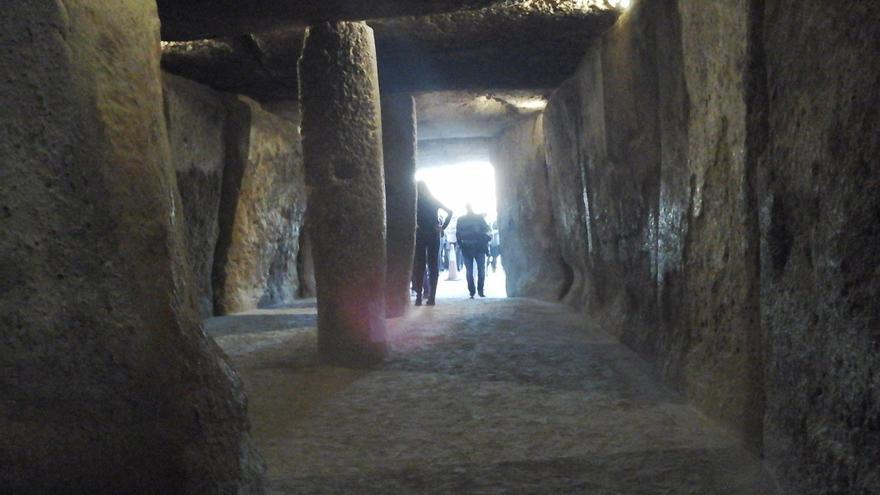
{"x": 477, "y": 396}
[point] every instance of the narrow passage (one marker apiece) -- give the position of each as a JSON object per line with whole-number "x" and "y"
{"x": 482, "y": 396}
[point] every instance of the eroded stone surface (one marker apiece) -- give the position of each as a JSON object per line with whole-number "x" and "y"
{"x": 568, "y": 202}
{"x": 263, "y": 203}
{"x": 196, "y": 118}
{"x": 342, "y": 141}
{"x": 721, "y": 258}
{"x": 109, "y": 385}
{"x": 674, "y": 176}
{"x": 399, "y": 156}
{"x": 531, "y": 256}
{"x": 654, "y": 204}
{"x": 820, "y": 250}
{"x": 485, "y": 396}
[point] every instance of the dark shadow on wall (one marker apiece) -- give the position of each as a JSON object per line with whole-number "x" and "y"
{"x": 305, "y": 263}
{"x": 237, "y": 138}
{"x": 282, "y": 267}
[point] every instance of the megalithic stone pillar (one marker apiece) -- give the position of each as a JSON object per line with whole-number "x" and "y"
{"x": 399, "y": 144}
{"x": 342, "y": 148}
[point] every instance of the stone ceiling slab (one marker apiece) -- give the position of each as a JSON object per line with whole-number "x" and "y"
{"x": 515, "y": 44}
{"x": 199, "y": 19}
{"x": 473, "y": 114}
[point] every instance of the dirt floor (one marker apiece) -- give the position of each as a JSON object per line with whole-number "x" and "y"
{"x": 478, "y": 396}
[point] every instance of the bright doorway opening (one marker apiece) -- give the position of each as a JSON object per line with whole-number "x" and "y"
{"x": 457, "y": 185}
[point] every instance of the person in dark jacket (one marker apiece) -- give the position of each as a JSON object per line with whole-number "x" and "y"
{"x": 472, "y": 233}
{"x": 428, "y": 230}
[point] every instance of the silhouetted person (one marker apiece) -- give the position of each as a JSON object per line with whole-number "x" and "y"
{"x": 472, "y": 232}
{"x": 428, "y": 231}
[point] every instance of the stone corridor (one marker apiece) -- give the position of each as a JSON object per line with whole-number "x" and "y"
{"x": 483, "y": 396}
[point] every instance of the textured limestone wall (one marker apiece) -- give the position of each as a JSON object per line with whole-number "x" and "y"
{"x": 719, "y": 213}
{"x": 196, "y": 119}
{"x": 656, "y": 218}
{"x": 620, "y": 161}
{"x": 261, "y": 214}
{"x": 109, "y": 386}
{"x": 604, "y": 158}
{"x": 531, "y": 256}
{"x": 723, "y": 365}
{"x": 255, "y": 233}
{"x": 568, "y": 201}
{"x": 820, "y": 250}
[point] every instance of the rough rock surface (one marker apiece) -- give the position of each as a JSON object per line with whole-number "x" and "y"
{"x": 486, "y": 396}
{"x": 342, "y": 143}
{"x": 722, "y": 372}
{"x": 603, "y": 166}
{"x": 196, "y": 118}
{"x": 109, "y": 385}
{"x": 565, "y": 181}
{"x": 197, "y": 19}
{"x": 399, "y": 151}
{"x": 730, "y": 219}
{"x": 530, "y": 253}
{"x": 261, "y": 213}
{"x": 820, "y": 249}
{"x": 655, "y": 210}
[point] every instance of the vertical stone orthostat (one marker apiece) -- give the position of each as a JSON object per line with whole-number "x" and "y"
{"x": 109, "y": 383}
{"x": 342, "y": 146}
{"x": 399, "y": 145}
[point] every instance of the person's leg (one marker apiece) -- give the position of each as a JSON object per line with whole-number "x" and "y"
{"x": 419, "y": 269}
{"x": 481, "y": 272}
{"x": 433, "y": 249}
{"x": 469, "y": 267}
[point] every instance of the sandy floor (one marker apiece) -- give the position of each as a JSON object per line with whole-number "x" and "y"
{"x": 483, "y": 396}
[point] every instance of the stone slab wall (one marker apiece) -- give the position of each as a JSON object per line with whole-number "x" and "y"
{"x": 261, "y": 212}
{"x": 713, "y": 174}
{"x": 240, "y": 176}
{"x": 568, "y": 203}
{"x": 722, "y": 367}
{"x": 531, "y": 255}
{"x": 109, "y": 385}
{"x": 657, "y": 221}
{"x": 820, "y": 246}
{"x": 196, "y": 118}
